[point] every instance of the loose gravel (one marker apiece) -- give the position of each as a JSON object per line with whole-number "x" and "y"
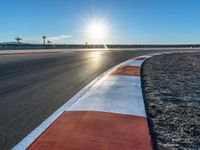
{"x": 171, "y": 86}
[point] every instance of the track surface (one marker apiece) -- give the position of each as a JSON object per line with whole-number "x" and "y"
{"x": 34, "y": 86}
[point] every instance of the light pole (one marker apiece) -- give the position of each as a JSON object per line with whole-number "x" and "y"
{"x": 44, "y": 38}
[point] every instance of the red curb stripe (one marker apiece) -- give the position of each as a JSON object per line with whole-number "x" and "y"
{"x": 127, "y": 70}
{"x": 85, "y": 130}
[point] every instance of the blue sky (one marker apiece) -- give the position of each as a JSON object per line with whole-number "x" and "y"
{"x": 129, "y": 21}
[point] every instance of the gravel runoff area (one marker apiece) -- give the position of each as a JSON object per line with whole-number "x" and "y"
{"x": 171, "y": 86}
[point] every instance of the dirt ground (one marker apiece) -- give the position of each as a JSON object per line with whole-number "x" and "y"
{"x": 171, "y": 86}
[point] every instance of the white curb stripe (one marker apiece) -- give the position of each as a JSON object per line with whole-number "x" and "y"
{"x": 115, "y": 97}
{"x": 134, "y": 62}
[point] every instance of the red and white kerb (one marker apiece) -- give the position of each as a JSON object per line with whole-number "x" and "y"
{"x": 108, "y": 114}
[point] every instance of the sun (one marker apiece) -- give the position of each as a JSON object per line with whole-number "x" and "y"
{"x": 97, "y": 31}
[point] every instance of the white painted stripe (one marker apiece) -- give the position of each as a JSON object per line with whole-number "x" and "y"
{"x": 110, "y": 95}
{"x": 134, "y": 62}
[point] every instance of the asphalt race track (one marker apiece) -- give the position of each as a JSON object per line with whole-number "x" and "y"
{"x": 33, "y": 86}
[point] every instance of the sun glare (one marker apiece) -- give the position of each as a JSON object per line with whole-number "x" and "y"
{"x": 97, "y": 31}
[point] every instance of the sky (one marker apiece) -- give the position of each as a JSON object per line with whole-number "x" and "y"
{"x": 126, "y": 21}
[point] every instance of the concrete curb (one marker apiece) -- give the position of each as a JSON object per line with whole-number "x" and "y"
{"x": 109, "y": 113}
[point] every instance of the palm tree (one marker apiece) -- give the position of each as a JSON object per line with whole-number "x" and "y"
{"x": 18, "y": 39}
{"x": 44, "y": 38}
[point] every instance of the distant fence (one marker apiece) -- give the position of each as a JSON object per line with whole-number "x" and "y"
{"x": 79, "y": 46}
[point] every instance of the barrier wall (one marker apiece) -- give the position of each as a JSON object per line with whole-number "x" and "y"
{"x": 79, "y": 46}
